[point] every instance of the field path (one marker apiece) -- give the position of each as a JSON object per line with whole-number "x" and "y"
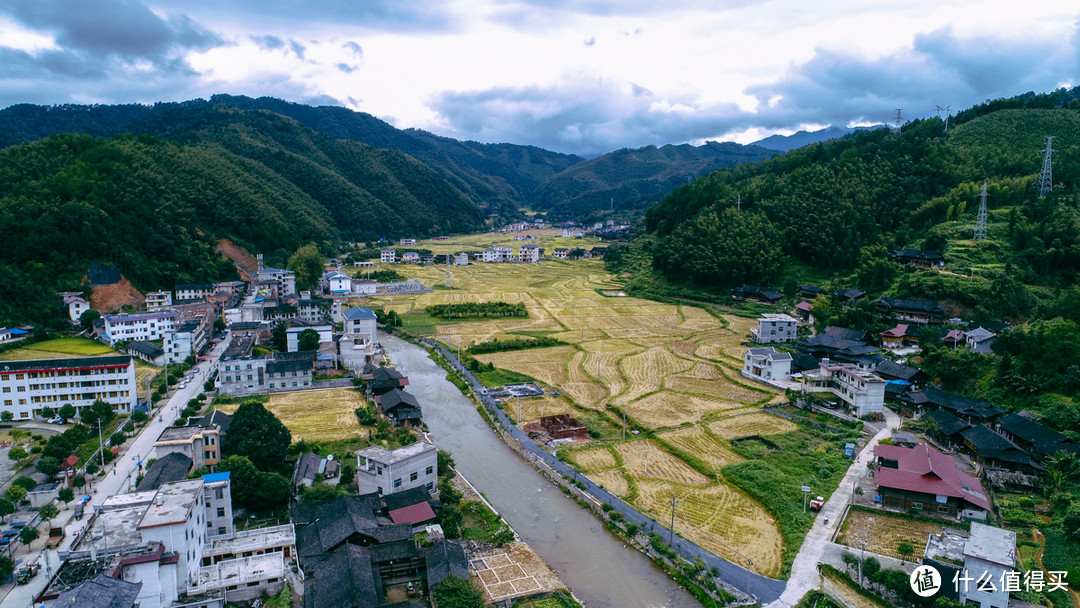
{"x": 804, "y": 571}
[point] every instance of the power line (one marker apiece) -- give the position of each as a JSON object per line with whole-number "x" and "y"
{"x": 1046, "y": 177}
{"x": 980, "y": 220}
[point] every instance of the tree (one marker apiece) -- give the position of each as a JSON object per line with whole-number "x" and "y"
{"x": 457, "y": 592}
{"x": 16, "y": 453}
{"x": 905, "y": 549}
{"x": 26, "y": 483}
{"x": 7, "y": 416}
{"x": 307, "y": 263}
{"x": 309, "y": 340}
{"x": 86, "y": 319}
{"x": 67, "y": 411}
{"x": 48, "y": 466}
{"x": 28, "y": 535}
{"x": 117, "y": 439}
{"x": 445, "y": 462}
{"x": 48, "y": 512}
{"x": 139, "y": 416}
{"x": 279, "y": 338}
{"x": 256, "y": 433}
{"x": 65, "y": 495}
{"x": 6, "y": 508}
{"x": 870, "y": 566}
{"x": 243, "y": 476}
{"x": 272, "y": 491}
{"x": 47, "y": 412}
{"x": 99, "y": 411}
{"x": 6, "y": 567}
{"x": 15, "y": 494}
{"x": 320, "y": 492}
{"x": 78, "y": 481}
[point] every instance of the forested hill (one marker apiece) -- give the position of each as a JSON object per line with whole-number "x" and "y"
{"x": 155, "y": 208}
{"x": 635, "y": 179}
{"x": 835, "y": 208}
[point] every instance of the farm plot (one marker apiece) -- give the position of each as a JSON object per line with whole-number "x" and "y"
{"x": 535, "y": 407}
{"x": 719, "y": 518}
{"x": 645, "y": 460}
{"x": 322, "y": 415}
{"x": 594, "y": 459}
{"x": 613, "y": 481}
{"x": 695, "y": 441}
{"x": 883, "y": 532}
{"x": 544, "y": 364}
{"x": 758, "y": 423}
{"x": 697, "y": 319}
{"x": 668, "y": 408}
{"x": 646, "y": 372}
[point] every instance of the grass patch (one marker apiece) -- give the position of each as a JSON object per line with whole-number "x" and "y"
{"x": 481, "y": 524}
{"x": 56, "y": 348}
{"x": 499, "y": 377}
{"x": 1060, "y": 552}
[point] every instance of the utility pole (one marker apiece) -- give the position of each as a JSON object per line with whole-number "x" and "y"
{"x": 863, "y": 543}
{"x": 1046, "y": 178}
{"x": 674, "y": 501}
{"x": 749, "y": 569}
{"x": 624, "y": 425}
{"x": 518, "y": 407}
{"x": 101, "y": 444}
{"x": 980, "y": 219}
{"x": 449, "y": 276}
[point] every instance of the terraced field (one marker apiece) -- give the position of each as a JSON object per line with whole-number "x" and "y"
{"x": 664, "y": 365}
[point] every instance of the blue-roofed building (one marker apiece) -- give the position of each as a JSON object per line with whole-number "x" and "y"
{"x": 218, "y": 498}
{"x": 359, "y": 320}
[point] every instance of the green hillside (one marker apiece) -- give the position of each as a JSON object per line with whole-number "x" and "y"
{"x": 154, "y": 208}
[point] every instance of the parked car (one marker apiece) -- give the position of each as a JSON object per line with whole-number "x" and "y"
{"x": 55, "y": 420}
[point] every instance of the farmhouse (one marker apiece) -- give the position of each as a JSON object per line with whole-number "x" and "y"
{"x": 76, "y": 306}
{"x": 360, "y": 320}
{"x": 410, "y": 257}
{"x": 156, "y": 300}
{"x": 188, "y": 292}
{"x": 560, "y": 253}
{"x": 863, "y": 391}
{"x": 1034, "y": 437}
{"x": 388, "y": 256}
{"x": 766, "y": 364}
{"x": 756, "y": 293}
{"x": 173, "y": 466}
{"x": 461, "y": 259}
{"x": 924, "y": 479}
{"x": 994, "y": 451}
{"x": 980, "y": 340}
{"x": 400, "y": 407}
{"x": 147, "y": 351}
{"x": 912, "y": 311}
{"x": 901, "y": 336}
{"x": 337, "y": 282}
{"x": 971, "y": 410}
{"x": 28, "y": 386}
{"x": 200, "y": 444}
{"x": 284, "y": 280}
{"x": 987, "y": 554}
{"x": 530, "y": 253}
{"x": 809, "y": 291}
{"x": 189, "y": 338}
{"x": 385, "y": 379}
{"x": 385, "y": 471}
{"x": 775, "y": 327}
{"x": 925, "y": 258}
{"x": 850, "y": 294}
{"x": 909, "y": 377}
{"x": 250, "y": 375}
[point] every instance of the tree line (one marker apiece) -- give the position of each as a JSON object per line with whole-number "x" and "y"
{"x": 488, "y": 310}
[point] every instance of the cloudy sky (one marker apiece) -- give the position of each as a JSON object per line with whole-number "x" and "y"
{"x": 583, "y": 76}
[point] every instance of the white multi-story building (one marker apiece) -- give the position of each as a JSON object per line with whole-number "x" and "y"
{"x": 284, "y": 279}
{"x": 201, "y": 445}
{"x": 775, "y": 327}
{"x": 28, "y": 386}
{"x": 388, "y": 256}
{"x": 461, "y": 259}
{"x": 488, "y": 255}
{"x": 338, "y": 282}
{"x": 407, "y": 242}
{"x": 388, "y": 471}
{"x": 217, "y": 496}
{"x": 193, "y": 292}
{"x": 360, "y": 320}
{"x": 148, "y": 326}
{"x": 76, "y": 307}
{"x": 503, "y": 253}
{"x": 190, "y": 338}
{"x": 766, "y": 364}
{"x": 560, "y": 253}
{"x": 529, "y": 253}
{"x": 864, "y": 391}
{"x": 156, "y": 300}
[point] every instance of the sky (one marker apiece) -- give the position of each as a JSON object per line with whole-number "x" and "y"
{"x": 576, "y": 76}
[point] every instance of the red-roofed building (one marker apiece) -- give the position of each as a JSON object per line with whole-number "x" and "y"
{"x": 413, "y": 514}
{"x": 898, "y": 337}
{"x": 923, "y": 480}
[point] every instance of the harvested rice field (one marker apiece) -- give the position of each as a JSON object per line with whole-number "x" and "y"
{"x": 695, "y": 441}
{"x": 322, "y": 415}
{"x": 758, "y": 423}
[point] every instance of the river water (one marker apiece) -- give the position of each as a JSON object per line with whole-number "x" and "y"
{"x": 601, "y": 570}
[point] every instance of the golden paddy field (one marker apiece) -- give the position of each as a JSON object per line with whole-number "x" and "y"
{"x": 673, "y": 368}
{"x": 314, "y": 416}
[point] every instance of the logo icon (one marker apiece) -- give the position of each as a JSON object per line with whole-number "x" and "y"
{"x": 925, "y": 581}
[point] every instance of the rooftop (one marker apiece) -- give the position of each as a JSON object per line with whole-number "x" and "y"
{"x": 58, "y": 364}
{"x": 385, "y": 456}
{"x": 991, "y": 544}
{"x": 100, "y": 592}
{"x": 926, "y": 470}
{"x": 173, "y": 466}
{"x": 358, "y": 312}
{"x": 172, "y": 504}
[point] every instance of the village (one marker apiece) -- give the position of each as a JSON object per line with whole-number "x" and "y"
{"x": 641, "y": 398}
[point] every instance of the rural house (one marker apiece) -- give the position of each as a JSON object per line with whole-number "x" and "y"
{"x": 912, "y": 311}
{"x": 775, "y": 327}
{"x": 925, "y": 480}
{"x": 765, "y": 364}
{"x": 385, "y": 471}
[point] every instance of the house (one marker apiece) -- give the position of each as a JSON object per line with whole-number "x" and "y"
{"x": 980, "y": 340}
{"x": 775, "y": 327}
{"x": 312, "y": 310}
{"x": 970, "y": 410}
{"x": 843, "y": 350}
{"x": 912, "y": 311}
{"x": 530, "y": 253}
{"x": 925, "y": 258}
{"x": 306, "y": 468}
{"x": 901, "y": 336}
{"x": 189, "y": 338}
{"x": 804, "y": 311}
{"x": 954, "y": 337}
{"x": 766, "y": 364}
{"x": 410, "y": 257}
{"x": 200, "y": 444}
{"x": 861, "y": 390}
{"x": 1034, "y": 437}
{"x": 76, "y": 306}
{"x": 994, "y": 451}
{"x": 337, "y": 282}
{"x": 156, "y": 300}
{"x": 412, "y": 506}
{"x": 364, "y": 287}
{"x": 28, "y": 386}
{"x": 388, "y": 256}
{"x": 12, "y": 335}
{"x": 564, "y": 426}
{"x": 845, "y": 333}
{"x": 519, "y": 237}
{"x": 407, "y": 242}
{"x": 923, "y": 479}
{"x": 101, "y": 592}
{"x": 946, "y": 428}
{"x": 909, "y": 377}
{"x": 400, "y": 407}
{"x": 292, "y": 335}
{"x": 386, "y": 472}
{"x": 984, "y": 555}
{"x": 190, "y": 292}
{"x": 756, "y": 293}
{"x": 283, "y": 312}
{"x": 250, "y": 375}
{"x": 283, "y": 280}
{"x": 809, "y": 291}
{"x": 216, "y": 419}
{"x": 385, "y": 379}
{"x": 355, "y": 351}
{"x": 849, "y": 295}
{"x": 147, "y": 326}
{"x": 560, "y": 253}
{"x": 461, "y": 259}
{"x": 147, "y": 351}
{"x": 245, "y": 329}
{"x": 360, "y": 320}
{"x": 489, "y": 255}
{"x": 503, "y": 253}
{"x": 173, "y": 466}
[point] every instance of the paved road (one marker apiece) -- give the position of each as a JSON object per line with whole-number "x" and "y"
{"x": 764, "y": 588}
{"x": 804, "y": 572}
{"x": 119, "y": 478}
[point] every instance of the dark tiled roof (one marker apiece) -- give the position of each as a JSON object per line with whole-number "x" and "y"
{"x": 1044, "y": 440}
{"x": 173, "y": 466}
{"x": 926, "y": 306}
{"x": 961, "y": 405}
{"x": 919, "y": 254}
{"x": 891, "y": 369}
{"x": 845, "y": 333}
{"x": 850, "y": 293}
{"x": 393, "y": 551}
{"x": 306, "y": 467}
{"x": 754, "y": 290}
{"x": 397, "y": 398}
{"x": 446, "y": 559}
{"x": 948, "y": 424}
{"x": 101, "y": 592}
{"x": 216, "y": 418}
{"x": 146, "y": 348}
{"x": 345, "y": 579}
{"x": 323, "y": 527}
{"x": 405, "y": 498}
{"x": 274, "y": 367}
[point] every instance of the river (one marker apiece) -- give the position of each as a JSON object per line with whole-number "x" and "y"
{"x": 600, "y": 569}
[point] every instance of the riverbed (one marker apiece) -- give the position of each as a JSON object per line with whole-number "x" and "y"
{"x": 601, "y": 570}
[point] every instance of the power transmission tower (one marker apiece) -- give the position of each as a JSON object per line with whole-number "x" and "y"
{"x": 946, "y": 110}
{"x": 980, "y": 220}
{"x": 1046, "y": 177}
{"x": 449, "y": 275}
{"x": 899, "y": 120}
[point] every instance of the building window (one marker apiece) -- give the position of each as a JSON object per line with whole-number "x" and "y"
{"x": 397, "y": 482}
{"x": 221, "y": 511}
{"x": 414, "y": 476}
{"x": 428, "y": 471}
{"x": 221, "y": 530}
{"x": 943, "y": 509}
{"x": 916, "y": 505}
